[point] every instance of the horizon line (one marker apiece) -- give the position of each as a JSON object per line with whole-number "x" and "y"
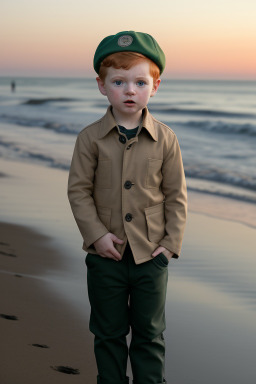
{"x": 170, "y": 77}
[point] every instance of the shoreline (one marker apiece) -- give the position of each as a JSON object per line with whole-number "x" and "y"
{"x": 237, "y": 211}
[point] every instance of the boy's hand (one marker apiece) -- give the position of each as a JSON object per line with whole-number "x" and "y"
{"x": 163, "y": 250}
{"x": 105, "y": 246}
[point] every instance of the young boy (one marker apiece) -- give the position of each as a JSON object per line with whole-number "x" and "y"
{"x": 128, "y": 195}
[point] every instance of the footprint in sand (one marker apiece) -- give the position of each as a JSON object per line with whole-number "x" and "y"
{"x": 8, "y": 317}
{"x": 40, "y": 345}
{"x": 67, "y": 370}
{"x": 7, "y": 254}
{"x": 6, "y": 247}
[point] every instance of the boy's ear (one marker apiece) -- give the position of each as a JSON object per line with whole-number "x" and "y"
{"x": 155, "y": 87}
{"x": 101, "y": 86}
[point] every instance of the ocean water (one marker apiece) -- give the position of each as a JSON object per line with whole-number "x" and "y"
{"x": 215, "y": 122}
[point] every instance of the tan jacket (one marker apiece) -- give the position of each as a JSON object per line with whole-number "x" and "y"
{"x": 135, "y": 189}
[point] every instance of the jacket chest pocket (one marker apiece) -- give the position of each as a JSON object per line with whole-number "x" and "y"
{"x": 103, "y": 174}
{"x": 154, "y": 173}
{"x": 155, "y": 222}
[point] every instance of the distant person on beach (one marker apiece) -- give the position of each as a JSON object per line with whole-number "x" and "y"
{"x": 127, "y": 191}
{"x": 13, "y": 86}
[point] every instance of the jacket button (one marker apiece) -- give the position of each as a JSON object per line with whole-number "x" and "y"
{"x": 122, "y": 139}
{"x": 128, "y": 184}
{"x": 128, "y": 217}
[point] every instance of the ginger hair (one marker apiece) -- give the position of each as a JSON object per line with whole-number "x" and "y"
{"x": 126, "y": 60}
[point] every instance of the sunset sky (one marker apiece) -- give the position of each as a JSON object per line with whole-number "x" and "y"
{"x": 201, "y": 39}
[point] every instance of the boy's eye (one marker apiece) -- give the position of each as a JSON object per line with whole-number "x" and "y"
{"x": 140, "y": 83}
{"x": 118, "y": 82}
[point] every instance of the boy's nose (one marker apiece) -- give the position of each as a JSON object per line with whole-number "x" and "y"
{"x": 130, "y": 90}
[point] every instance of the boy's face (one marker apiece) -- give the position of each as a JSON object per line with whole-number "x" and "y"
{"x": 128, "y": 91}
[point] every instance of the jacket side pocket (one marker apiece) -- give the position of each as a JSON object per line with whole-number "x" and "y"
{"x": 155, "y": 222}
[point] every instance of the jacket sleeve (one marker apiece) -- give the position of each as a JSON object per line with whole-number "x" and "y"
{"x": 80, "y": 191}
{"x": 175, "y": 192}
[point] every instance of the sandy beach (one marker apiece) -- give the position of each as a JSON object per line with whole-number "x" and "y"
{"x": 40, "y": 334}
{"x": 44, "y": 310}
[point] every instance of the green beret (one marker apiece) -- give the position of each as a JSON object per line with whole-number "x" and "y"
{"x": 129, "y": 41}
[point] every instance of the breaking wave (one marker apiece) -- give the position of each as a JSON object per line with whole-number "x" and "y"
{"x": 221, "y": 127}
{"x": 201, "y": 112}
{"x": 48, "y": 100}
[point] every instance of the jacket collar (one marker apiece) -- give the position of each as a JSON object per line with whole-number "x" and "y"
{"x": 109, "y": 123}
{"x": 148, "y": 124}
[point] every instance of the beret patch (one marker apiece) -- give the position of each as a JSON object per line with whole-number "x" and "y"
{"x": 124, "y": 41}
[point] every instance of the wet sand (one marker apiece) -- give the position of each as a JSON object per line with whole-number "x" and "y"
{"x": 41, "y": 335}
{"x": 44, "y": 309}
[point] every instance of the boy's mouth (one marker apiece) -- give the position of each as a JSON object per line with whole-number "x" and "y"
{"x": 129, "y": 102}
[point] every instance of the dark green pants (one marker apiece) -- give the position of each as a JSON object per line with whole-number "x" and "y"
{"x": 126, "y": 296}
